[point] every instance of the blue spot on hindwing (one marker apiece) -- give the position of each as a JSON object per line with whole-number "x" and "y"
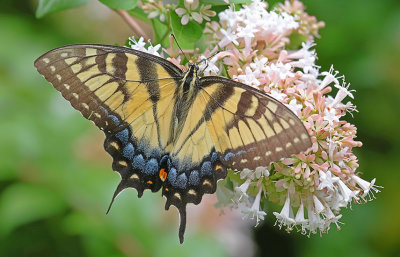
{"x": 172, "y": 176}
{"x": 206, "y": 169}
{"x": 151, "y": 167}
{"x": 194, "y": 178}
{"x": 129, "y": 151}
{"x": 123, "y": 136}
{"x": 181, "y": 181}
{"x": 114, "y": 119}
{"x": 138, "y": 162}
{"x": 228, "y": 156}
{"x": 165, "y": 161}
{"x": 214, "y": 157}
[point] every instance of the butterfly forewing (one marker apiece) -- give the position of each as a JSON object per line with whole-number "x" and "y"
{"x": 249, "y": 128}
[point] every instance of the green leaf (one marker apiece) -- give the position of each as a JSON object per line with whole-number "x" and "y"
{"x": 222, "y": 2}
{"x": 49, "y": 6}
{"x": 120, "y": 4}
{"x": 186, "y": 35}
{"x": 161, "y": 32}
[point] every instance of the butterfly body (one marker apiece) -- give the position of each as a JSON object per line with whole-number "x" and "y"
{"x": 168, "y": 129}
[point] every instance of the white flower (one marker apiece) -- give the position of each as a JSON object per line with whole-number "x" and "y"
{"x": 277, "y": 95}
{"x": 327, "y": 180}
{"x": 208, "y": 66}
{"x": 247, "y": 33}
{"x": 250, "y": 78}
{"x": 141, "y": 46}
{"x": 366, "y": 186}
{"x": 259, "y": 64}
{"x": 229, "y": 37}
{"x": 254, "y": 211}
{"x": 303, "y": 53}
{"x": 284, "y": 217}
{"x": 188, "y": 12}
{"x": 346, "y": 193}
{"x": 330, "y": 115}
{"x": 279, "y": 71}
{"x": 330, "y": 77}
{"x": 241, "y": 192}
{"x": 318, "y": 206}
{"x": 261, "y": 172}
{"x": 342, "y": 93}
{"x": 299, "y": 219}
{"x": 330, "y": 218}
{"x": 294, "y": 107}
{"x": 314, "y": 220}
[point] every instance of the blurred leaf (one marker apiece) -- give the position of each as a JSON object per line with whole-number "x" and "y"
{"x": 296, "y": 40}
{"x": 187, "y": 35}
{"x": 23, "y": 203}
{"x": 120, "y": 4}
{"x": 49, "y": 6}
{"x": 222, "y": 2}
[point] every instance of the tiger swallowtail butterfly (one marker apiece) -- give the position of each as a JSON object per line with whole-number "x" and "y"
{"x": 170, "y": 129}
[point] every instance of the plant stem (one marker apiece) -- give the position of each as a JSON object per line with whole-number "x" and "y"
{"x": 132, "y": 23}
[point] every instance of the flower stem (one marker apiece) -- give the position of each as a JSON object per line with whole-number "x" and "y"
{"x": 132, "y": 23}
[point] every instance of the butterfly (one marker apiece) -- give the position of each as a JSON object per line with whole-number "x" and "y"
{"x": 170, "y": 129}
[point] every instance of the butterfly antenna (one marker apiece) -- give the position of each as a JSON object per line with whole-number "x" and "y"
{"x": 206, "y": 60}
{"x": 176, "y": 41}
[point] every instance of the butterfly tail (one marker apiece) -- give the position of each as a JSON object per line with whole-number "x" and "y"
{"x": 182, "y": 226}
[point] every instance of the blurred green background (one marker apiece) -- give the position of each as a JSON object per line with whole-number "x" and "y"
{"x": 56, "y": 180}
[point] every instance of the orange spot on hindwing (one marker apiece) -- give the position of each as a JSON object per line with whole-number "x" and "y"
{"x": 163, "y": 174}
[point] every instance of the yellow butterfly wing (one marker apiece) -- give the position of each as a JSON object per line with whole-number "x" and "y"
{"x": 127, "y": 94}
{"x": 249, "y": 128}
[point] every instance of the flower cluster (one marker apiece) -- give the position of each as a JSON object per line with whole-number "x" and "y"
{"x": 191, "y": 10}
{"x": 251, "y": 45}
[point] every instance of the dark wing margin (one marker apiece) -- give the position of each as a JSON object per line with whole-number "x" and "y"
{"x": 251, "y": 129}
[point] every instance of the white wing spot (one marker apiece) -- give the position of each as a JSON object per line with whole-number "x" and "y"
{"x": 268, "y": 153}
{"x": 52, "y": 68}
{"x": 85, "y": 106}
{"x": 97, "y": 115}
{"x": 64, "y": 55}
{"x": 58, "y": 76}
{"x": 291, "y": 121}
{"x": 243, "y": 160}
{"x": 288, "y": 145}
{"x": 46, "y": 60}
{"x": 278, "y": 149}
{"x": 67, "y": 86}
{"x": 123, "y": 163}
{"x": 296, "y": 140}
{"x": 304, "y": 136}
{"x": 192, "y": 192}
{"x": 134, "y": 176}
{"x": 75, "y": 95}
{"x": 206, "y": 183}
{"x": 177, "y": 195}
{"x": 115, "y": 145}
{"x": 256, "y": 158}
